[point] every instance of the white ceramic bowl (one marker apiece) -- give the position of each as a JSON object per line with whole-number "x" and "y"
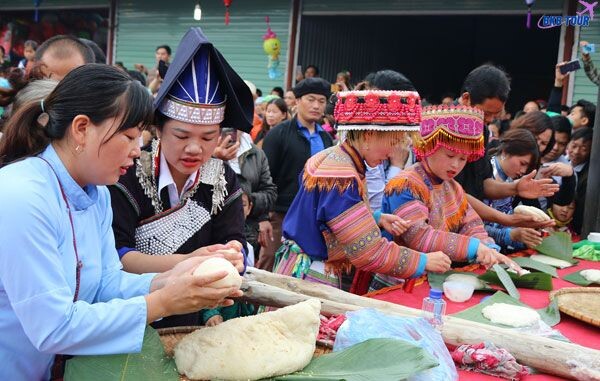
{"x": 458, "y": 291}
{"x": 594, "y": 237}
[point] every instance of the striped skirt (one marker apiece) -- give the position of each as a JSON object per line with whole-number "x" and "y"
{"x": 292, "y": 261}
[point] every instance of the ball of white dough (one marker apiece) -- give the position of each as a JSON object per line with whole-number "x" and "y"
{"x": 213, "y": 265}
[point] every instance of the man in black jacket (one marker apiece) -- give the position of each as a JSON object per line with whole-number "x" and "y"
{"x": 288, "y": 146}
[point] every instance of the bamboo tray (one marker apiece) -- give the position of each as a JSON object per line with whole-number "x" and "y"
{"x": 582, "y": 303}
{"x": 171, "y": 336}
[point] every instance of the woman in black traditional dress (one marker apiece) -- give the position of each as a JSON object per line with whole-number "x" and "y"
{"x": 177, "y": 200}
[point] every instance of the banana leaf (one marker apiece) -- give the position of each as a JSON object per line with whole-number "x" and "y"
{"x": 436, "y": 280}
{"x": 535, "y": 265}
{"x": 373, "y": 359}
{"x": 506, "y": 281}
{"x": 536, "y": 281}
{"x": 557, "y": 245}
{"x": 151, "y": 364}
{"x": 550, "y": 315}
{"x": 577, "y": 278}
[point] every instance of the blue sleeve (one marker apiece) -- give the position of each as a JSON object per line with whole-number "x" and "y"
{"x": 395, "y": 200}
{"x": 421, "y": 267}
{"x": 124, "y": 250}
{"x": 501, "y": 235}
{"x": 309, "y": 213}
{"x": 472, "y": 249}
{"x": 40, "y": 289}
{"x": 377, "y": 216}
{"x": 115, "y": 282}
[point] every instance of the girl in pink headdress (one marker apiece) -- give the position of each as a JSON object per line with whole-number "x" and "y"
{"x": 428, "y": 196}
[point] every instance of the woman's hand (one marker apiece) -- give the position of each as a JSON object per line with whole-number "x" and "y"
{"x": 525, "y": 220}
{"x": 393, "y": 224}
{"x": 225, "y": 149}
{"x": 184, "y": 293}
{"x": 208, "y": 251}
{"x": 529, "y": 187}
{"x": 530, "y": 237}
{"x": 265, "y": 233}
{"x": 437, "y": 262}
{"x": 557, "y": 169}
{"x": 486, "y": 256}
{"x": 215, "y": 320}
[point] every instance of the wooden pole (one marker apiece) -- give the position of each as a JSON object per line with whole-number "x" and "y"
{"x": 546, "y": 355}
{"x": 591, "y": 214}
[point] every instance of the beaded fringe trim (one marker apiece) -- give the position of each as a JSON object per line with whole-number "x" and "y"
{"x": 474, "y": 148}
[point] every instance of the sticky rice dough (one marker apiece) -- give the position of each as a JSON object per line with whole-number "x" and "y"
{"x": 510, "y": 314}
{"x": 213, "y": 265}
{"x": 591, "y": 275}
{"x": 253, "y": 347}
{"x": 466, "y": 278}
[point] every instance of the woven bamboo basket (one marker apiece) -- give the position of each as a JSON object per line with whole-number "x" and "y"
{"x": 171, "y": 336}
{"x": 582, "y": 303}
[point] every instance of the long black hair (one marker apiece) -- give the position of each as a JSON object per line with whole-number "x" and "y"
{"x": 98, "y": 91}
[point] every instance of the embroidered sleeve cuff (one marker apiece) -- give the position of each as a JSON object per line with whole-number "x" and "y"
{"x": 377, "y": 217}
{"x": 421, "y": 267}
{"x": 472, "y": 249}
{"x": 124, "y": 250}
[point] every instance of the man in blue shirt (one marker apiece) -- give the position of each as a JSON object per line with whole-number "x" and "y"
{"x": 288, "y": 146}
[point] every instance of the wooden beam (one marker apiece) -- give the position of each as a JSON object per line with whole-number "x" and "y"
{"x": 547, "y": 355}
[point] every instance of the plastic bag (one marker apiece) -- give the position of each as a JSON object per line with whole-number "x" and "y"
{"x": 369, "y": 323}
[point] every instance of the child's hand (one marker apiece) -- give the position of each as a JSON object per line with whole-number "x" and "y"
{"x": 530, "y": 237}
{"x": 265, "y": 233}
{"x": 393, "y": 224}
{"x": 215, "y": 320}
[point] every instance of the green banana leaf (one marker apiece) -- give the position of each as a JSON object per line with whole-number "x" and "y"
{"x": 536, "y": 281}
{"x": 529, "y": 263}
{"x": 558, "y": 245}
{"x": 506, "y": 281}
{"x": 550, "y": 315}
{"x": 374, "y": 359}
{"x": 577, "y": 278}
{"x": 151, "y": 364}
{"x": 436, "y": 280}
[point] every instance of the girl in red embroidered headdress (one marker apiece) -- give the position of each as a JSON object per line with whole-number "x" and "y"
{"x": 330, "y": 226}
{"x": 428, "y": 196}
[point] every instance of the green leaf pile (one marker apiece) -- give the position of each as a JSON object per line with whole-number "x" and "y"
{"x": 374, "y": 359}
{"x": 151, "y": 364}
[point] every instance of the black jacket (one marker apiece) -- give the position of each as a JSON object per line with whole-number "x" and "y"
{"x": 287, "y": 151}
{"x": 256, "y": 180}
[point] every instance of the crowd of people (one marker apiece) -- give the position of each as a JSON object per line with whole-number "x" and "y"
{"x": 115, "y": 184}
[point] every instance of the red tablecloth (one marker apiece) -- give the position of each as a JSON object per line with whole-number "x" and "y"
{"x": 575, "y": 330}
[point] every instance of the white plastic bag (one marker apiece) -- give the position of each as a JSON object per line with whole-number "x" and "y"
{"x": 369, "y": 323}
